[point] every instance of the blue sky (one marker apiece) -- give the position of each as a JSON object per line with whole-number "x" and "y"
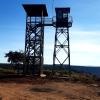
{"x": 84, "y": 35}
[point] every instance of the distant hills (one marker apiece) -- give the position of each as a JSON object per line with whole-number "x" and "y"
{"x": 87, "y": 69}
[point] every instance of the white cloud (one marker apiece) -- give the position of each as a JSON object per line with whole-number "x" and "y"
{"x": 85, "y": 47}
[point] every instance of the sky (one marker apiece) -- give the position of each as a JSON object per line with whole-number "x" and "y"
{"x": 84, "y": 34}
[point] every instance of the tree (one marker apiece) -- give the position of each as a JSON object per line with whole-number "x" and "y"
{"x": 15, "y": 57}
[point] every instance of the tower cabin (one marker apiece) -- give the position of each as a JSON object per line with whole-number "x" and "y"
{"x": 62, "y": 17}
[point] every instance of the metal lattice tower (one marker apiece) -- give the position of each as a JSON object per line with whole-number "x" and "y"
{"x": 62, "y": 46}
{"x": 34, "y": 38}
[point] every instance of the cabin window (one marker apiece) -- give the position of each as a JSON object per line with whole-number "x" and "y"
{"x": 59, "y": 15}
{"x": 64, "y": 15}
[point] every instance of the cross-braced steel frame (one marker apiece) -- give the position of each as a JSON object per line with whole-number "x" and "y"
{"x": 62, "y": 43}
{"x": 34, "y": 42}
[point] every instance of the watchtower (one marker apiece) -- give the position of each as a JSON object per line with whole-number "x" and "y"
{"x": 34, "y": 37}
{"x": 62, "y": 46}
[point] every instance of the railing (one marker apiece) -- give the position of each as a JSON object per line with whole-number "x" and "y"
{"x": 52, "y": 21}
{"x": 48, "y": 22}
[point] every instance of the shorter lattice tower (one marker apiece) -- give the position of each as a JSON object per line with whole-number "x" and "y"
{"x": 62, "y": 46}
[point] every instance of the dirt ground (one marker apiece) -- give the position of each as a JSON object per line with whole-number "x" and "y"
{"x": 44, "y": 89}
